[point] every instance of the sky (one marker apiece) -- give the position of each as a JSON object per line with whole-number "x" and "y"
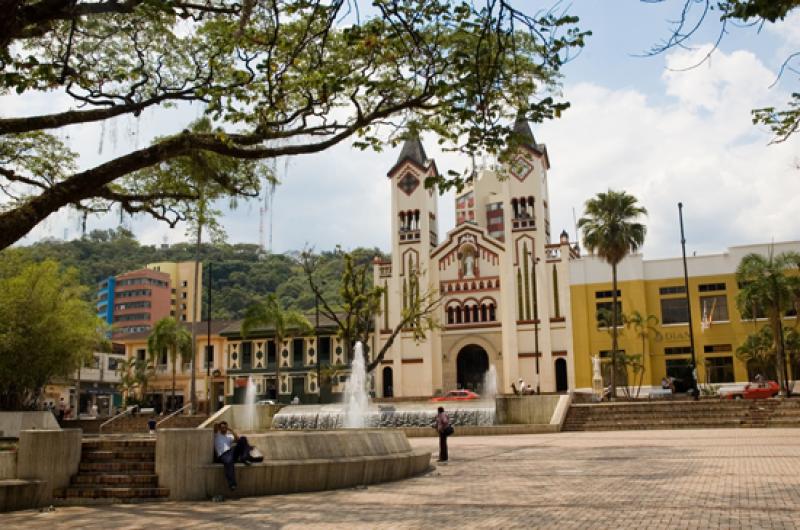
{"x": 645, "y": 125}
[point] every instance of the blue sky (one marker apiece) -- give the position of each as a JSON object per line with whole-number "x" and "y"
{"x": 661, "y": 134}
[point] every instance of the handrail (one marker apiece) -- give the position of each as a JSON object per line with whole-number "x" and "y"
{"x": 116, "y": 417}
{"x": 173, "y": 414}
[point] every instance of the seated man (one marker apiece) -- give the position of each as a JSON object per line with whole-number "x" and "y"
{"x": 230, "y": 448}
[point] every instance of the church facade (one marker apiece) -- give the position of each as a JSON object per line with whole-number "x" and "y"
{"x": 504, "y": 286}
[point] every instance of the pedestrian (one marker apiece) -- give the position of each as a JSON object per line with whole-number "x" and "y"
{"x": 62, "y": 410}
{"x": 230, "y": 448}
{"x": 151, "y": 425}
{"x": 295, "y": 400}
{"x": 521, "y": 386}
{"x": 444, "y": 429}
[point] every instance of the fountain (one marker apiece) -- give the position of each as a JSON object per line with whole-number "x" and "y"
{"x": 490, "y": 383}
{"x": 250, "y": 405}
{"x": 356, "y": 400}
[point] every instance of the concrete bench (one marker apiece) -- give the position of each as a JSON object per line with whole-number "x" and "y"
{"x": 660, "y": 393}
{"x": 294, "y": 476}
{"x": 18, "y": 494}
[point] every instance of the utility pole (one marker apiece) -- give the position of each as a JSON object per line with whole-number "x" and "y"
{"x": 316, "y": 335}
{"x": 688, "y": 303}
{"x": 208, "y": 344}
{"x": 536, "y": 324}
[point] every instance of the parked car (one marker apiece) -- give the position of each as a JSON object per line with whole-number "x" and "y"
{"x": 457, "y": 395}
{"x": 265, "y": 402}
{"x": 732, "y": 388}
{"x": 763, "y": 390}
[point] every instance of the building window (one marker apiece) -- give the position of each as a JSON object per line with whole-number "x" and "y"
{"x": 675, "y": 289}
{"x": 298, "y": 347}
{"x": 247, "y": 355}
{"x": 605, "y": 314}
{"x": 140, "y": 354}
{"x": 709, "y": 287}
{"x": 183, "y": 317}
{"x": 185, "y": 283}
{"x": 183, "y": 295}
{"x": 680, "y": 369}
{"x": 714, "y": 308}
{"x": 674, "y": 311}
{"x": 209, "y": 355}
{"x": 607, "y": 294}
{"x": 717, "y": 348}
{"x": 113, "y": 362}
{"x": 677, "y": 350}
{"x": 719, "y": 370}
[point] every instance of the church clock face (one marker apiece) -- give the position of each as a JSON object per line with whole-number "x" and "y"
{"x": 521, "y": 168}
{"x": 408, "y": 183}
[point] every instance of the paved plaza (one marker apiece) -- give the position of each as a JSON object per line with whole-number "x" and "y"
{"x": 731, "y": 478}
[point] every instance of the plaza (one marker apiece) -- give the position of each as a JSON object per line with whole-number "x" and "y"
{"x": 731, "y": 478}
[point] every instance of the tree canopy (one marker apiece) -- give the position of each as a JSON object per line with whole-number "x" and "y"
{"x": 276, "y": 78}
{"x": 46, "y": 329}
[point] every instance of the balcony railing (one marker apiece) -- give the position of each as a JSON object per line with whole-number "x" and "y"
{"x": 409, "y": 235}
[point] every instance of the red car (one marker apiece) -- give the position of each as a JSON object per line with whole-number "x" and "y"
{"x": 763, "y": 390}
{"x": 457, "y": 395}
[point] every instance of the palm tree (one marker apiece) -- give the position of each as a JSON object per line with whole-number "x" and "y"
{"x": 644, "y": 326}
{"x": 610, "y": 229}
{"x": 758, "y": 353}
{"x": 171, "y": 338}
{"x": 286, "y": 323}
{"x": 766, "y": 286}
{"x": 134, "y": 374}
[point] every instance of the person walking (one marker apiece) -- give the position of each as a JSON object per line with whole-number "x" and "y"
{"x": 62, "y": 410}
{"x": 444, "y": 429}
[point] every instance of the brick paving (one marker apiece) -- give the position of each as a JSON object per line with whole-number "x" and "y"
{"x": 728, "y": 478}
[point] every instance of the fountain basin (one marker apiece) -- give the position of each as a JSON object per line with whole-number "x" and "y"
{"x": 385, "y": 415}
{"x": 293, "y": 462}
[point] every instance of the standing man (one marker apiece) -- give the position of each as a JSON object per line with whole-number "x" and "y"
{"x": 62, "y": 410}
{"x": 444, "y": 429}
{"x": 230, "y": 448}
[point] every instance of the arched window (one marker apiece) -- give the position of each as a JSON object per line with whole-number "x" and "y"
{"x": 484, "y": 314}
{"x": 458, "y": 315}
{"x": 450, "y": 315}
{"x": 402, "y": 220}
{"x": 475, "y": 313}
{"x": 491, "y": 313}
{"x": 467, "y": 314}
{"x": 515, "y": 207}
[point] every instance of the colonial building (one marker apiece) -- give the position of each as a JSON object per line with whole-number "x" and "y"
{"x": 504, "y": 285}
{"x": 656, "y": 288}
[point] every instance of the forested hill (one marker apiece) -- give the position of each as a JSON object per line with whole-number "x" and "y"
{"x": 241, "y": 273}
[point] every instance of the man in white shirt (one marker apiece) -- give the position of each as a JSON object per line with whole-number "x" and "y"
{"x": 522, "y": 387}
{"x": 230, "y": 448}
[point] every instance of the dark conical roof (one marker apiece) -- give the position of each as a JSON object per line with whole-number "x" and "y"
{"x": 413, "y": 150}
{"x": 523, "y": 130}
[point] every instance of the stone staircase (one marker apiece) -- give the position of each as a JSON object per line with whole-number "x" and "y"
{"x": 703, "y": 414}
{"x": 115, "y": 470}
{"x": 133, "y": 424}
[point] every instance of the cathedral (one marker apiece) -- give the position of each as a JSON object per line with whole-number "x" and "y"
{"x": 504, "y": 286}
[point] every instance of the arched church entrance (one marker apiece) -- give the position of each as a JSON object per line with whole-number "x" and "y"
{"x": 561, "y": 375}
{"x": 471, "y": 365}
{"x": 388, "y": 383}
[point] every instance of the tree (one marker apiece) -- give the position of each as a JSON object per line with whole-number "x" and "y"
{"x": 285, "y": 323}
{"x": 610, "y": 229}
{"x": 279, "y": 78}
{"x": 758, "y": 353}
{"x": 47, "y": 330}
{"x": 766, "y": 286}
{"x": 361, "y": 303}
{"x": 644, "y": 326}
{"x": 741, "y": 13}
{"x": 134, "y": 375}
{"x": 169, "y": 337}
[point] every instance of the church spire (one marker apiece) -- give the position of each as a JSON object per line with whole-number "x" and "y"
{"x": 523, "y": 131}
{"x": 413, "y": 150}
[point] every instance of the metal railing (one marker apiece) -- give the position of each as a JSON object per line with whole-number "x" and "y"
{"x": 173, "y": 414}
{"x": 115, "y": 418}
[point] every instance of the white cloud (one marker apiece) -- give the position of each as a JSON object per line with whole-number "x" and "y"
{"x": 701, "y": 148}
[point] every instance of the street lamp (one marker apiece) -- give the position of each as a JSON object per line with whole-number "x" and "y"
{"x": 535, "y": 260}
{"x": 695, "y": 389}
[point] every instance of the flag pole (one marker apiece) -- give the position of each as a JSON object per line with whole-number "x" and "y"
{"x": 688, "y": 300}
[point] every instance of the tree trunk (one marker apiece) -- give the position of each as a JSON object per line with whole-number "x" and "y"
{"x": 614, "y": 317}
{"x": 175, "y": 360}
{"x": 193, "y": 384}
{"x": 777, "y": 333}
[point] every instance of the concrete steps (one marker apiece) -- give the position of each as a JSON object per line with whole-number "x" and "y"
{"x": 114, "y": 470}
{"x": 683, "y": 415}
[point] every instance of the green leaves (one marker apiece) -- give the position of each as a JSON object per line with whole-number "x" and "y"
{"x": 46, "y": 328}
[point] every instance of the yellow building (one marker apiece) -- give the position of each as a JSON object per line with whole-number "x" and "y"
{"x": 181, "y": 276}
{"x": 656, "y": 287}
{"x": 210, "y": 369}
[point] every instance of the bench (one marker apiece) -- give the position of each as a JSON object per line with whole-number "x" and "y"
{"x": 660, "y": 393}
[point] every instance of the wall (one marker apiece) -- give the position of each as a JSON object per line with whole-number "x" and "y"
{"x": 536, "y": 409}
{"x": 8, "y": 464}
{"x": 237, "y": 417}
{"x": 11, "y": 423}
{"x": 49, "y": 455}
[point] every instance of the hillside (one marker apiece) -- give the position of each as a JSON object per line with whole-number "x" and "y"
{"x": 241, "y": 273}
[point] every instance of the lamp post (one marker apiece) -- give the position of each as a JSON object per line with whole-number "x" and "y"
{"x": 535, "y": 260}
{"x": 316, "y": 335}
{"x": 208, "y": 344}
{"x": 688, "y": 302}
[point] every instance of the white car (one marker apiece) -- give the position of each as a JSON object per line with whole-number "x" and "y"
{"x": 265, "y": 402}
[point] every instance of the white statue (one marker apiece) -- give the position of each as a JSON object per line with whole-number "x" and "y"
{"x": 469, "y": 265}
{"x": 596, "y": 368}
